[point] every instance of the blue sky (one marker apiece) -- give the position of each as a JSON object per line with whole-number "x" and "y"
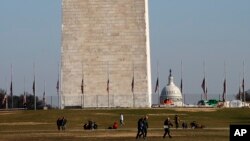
{"x": 197, "y": 31}
{"x": 191, "y": 31}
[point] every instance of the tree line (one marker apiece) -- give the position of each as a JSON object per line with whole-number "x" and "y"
{"x": 240, "y": 96}
{"x": 18, "y": 101}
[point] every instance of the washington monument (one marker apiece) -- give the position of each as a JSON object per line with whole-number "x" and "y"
{"x": 105, "y": 54}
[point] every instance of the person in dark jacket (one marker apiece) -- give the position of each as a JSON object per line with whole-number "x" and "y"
{"x": 176, "y": 121}
{"x": 184, "y": 125}
{"x": 145, "y": 126}
{"x": 139, "y": 128}
{"x": 167, "y": 125}
{"x": 58, "y": 123}
{"x": 63, "y": 123}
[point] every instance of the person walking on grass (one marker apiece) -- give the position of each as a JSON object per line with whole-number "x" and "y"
{"x": 121, "y": 120}
{"x": 58, "y": 123}
{"x": 63, "y": 123}
{"x": 145, "y": 127}
{"x": 167, "y": 125}
{"x": 139, "y": 128}
{"x": 176, "y": 121}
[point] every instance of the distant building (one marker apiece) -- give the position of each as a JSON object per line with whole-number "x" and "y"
{"x": 171, "y": 94}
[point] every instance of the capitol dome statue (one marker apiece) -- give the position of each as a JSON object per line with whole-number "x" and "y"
{"x": 171, "y": 94}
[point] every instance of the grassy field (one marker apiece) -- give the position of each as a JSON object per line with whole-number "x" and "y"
{"x": 41, "y": 124}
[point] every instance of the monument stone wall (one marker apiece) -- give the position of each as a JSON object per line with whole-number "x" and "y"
{"x": 105, "y": 44}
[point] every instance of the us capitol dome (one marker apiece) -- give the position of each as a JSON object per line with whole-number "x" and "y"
{"x": 171, "y": 94}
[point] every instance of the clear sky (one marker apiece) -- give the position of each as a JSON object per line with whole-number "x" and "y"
{"x": 191, "y": 31}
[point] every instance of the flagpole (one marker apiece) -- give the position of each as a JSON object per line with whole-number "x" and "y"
{"x": 6, "y": 93}
{"x": 243, "y": 84}
{"x": 11, "y": 87}
{"x": 34, "y": 86}
{"x": 205, "y": 93}
{"x": 132, "y": 86}
{"x": 58, "y": 87}
{"x": 24, "y": 94}
{"x": 108, "y": 82}
{"x": 44, "y": 95}
{"x": 23, "y": 89}
{"x": 240, "y": 88}
{"x": 158, "y": 83}
{"x": 183, "y": 97}
{"x": 225, "y": 73}
{"x": 82, "y": 87}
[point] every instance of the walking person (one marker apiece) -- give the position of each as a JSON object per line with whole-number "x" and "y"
{"x": 167, "y": 125}
{"x": 176, "y": 121}
{"x": 63, "y": 123}
{"x": 58, "y": 123}
{"x": 121, "y": 120}
{"x": 145, "y": 127}
{"x": 139, "y": 128}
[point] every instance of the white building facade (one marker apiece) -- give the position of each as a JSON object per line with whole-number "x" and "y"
{"x": 171, "y": 93}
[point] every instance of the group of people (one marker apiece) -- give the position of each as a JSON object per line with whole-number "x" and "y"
{"x": 142, "y": 126}
{"x": 115, "y": 124}
{"x": 61, "y": 123}
{"x": 168, "y": 124}
{"x": 90, "y": 125}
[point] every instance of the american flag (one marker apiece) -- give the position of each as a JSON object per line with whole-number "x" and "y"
{"x": 108, "y": 85}
{"x": 203, "y": 85}
{"x": 82, "y": 86}
{"x": 33, "y": 87}
{"x": 132, "y": 84}
{"x": 157, "y": 85}
{"x": 57, "y": 86}
{"x": 181, "y": 86}
{"x": 224, "y": 91}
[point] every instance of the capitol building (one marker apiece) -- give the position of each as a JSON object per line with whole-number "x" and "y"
{"x": 171, "y": 94}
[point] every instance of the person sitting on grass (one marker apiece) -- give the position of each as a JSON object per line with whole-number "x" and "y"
{"x": 195, "y": 125}
{"x": 184, "y": 125}
{"x": 115, "y": 125}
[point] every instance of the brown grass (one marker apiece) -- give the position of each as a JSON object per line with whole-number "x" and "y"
{"x": 40, "y": 125}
